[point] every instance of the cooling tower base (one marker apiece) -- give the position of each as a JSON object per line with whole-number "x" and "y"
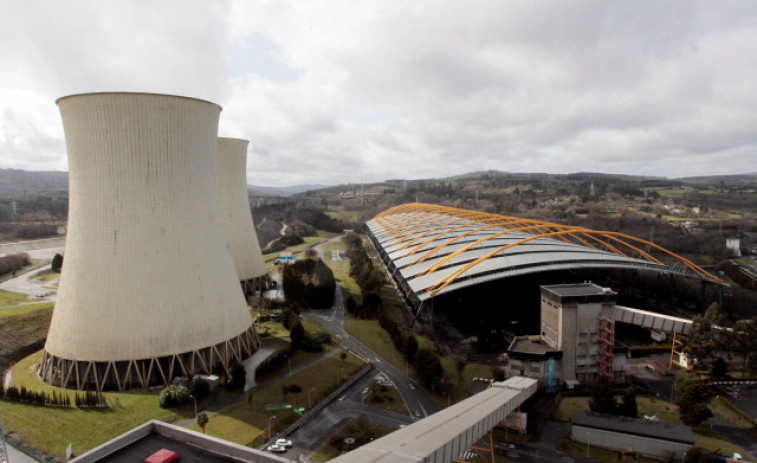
{"x": 142, "y": 373}
{"x": 251, "y": 286}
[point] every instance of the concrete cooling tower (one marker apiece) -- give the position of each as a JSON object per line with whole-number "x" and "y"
{"x": 149, "y": 291}
{"x": 235, "y": 204}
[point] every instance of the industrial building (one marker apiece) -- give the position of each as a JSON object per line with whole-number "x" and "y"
{"x": 235, "y": 204}
{"x": 577, "y": 338}
{"x": 433, "y": 250}
{"x": 633, "y": 435}
{"x": 150, "y": 290}
{"x": 139, "y": 443}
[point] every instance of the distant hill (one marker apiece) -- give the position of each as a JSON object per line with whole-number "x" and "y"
{"x": 19, "y": 184}
{"x": 282, "y": 190}
{"x": 741, "y": 180}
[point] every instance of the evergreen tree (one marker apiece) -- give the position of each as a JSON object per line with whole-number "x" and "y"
{"x": 602, "y": 399}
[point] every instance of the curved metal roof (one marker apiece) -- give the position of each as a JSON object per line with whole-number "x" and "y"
{"x": 436, "y": 249}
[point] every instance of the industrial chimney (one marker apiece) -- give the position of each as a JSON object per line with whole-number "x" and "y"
{"x": 149, "y": 291}
{"x": 235, "y": 205}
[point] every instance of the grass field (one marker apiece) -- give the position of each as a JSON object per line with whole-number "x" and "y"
{"x": 22, "y": 326}
{"x": 246, "y": 422}
{"x": 52, "y": 429}
{"x": 387, "y": 399}
{"x": 12, "y": 298}
{"x": 46, "y": 275}
{"x": 327, "y": 452}
{"x": 25, "y": 310}
{"x": 347, "y": 216}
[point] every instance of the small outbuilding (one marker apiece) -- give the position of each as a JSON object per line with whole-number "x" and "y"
{"x": 645, "y": 437}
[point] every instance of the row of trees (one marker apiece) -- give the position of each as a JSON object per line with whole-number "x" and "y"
{"x": 86, "y": 399}
{"x": 367, "y": 277}
{"x": 424, "y": 360}
{"x": 13, "y": 262}
{"x": 309, "y": 283}
{"x": 713, "y": 335}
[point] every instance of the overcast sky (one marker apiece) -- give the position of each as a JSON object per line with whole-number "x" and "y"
{"x": 346, "y": 91}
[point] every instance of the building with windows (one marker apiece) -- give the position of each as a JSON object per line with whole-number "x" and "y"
{"x": 576, "y": 342}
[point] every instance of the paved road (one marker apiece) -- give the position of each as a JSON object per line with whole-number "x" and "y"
{"x": 24, "y": 284}
{"x": 418, "y": 402}
{"x": 349, "y": 405}
{"x": 17, "y": 456}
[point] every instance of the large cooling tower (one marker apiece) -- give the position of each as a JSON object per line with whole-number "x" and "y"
{"x": 235, "y": 204}
{"x": 149, "y": 291}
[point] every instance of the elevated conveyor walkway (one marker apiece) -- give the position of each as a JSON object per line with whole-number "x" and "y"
{"x": 441, "y": 437}
{"x": 652, "y": 320}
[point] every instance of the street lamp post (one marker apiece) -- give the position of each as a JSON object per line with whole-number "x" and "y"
{"x": 309, "y": 391}
{"x": 289, "y": 360}
{"x": 195, "y": 401}
{"x": 588, "y": 439}
{"x": 270, "y": 418}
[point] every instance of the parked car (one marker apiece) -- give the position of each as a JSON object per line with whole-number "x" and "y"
{"x": 286, "y": 443}
{"x": 275, "y": 448}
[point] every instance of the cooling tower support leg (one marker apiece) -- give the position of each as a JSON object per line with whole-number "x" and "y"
{"x": 142, "y": 373}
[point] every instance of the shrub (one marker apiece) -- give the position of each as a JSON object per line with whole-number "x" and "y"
{"x": 199, "y": 388}
{"x": 295, "y": 388}
{"x": 238, "y": 377}
{"x": 173, "y": 396}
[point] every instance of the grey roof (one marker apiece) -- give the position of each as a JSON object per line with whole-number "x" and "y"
{"x": 635, "y": 426}
{"x": 407, "y": 250}
{"x": 579, "y": 289}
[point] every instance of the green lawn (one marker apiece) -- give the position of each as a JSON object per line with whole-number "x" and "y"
{"x": 12, "y": 298}
{"x": 386, "y": 398}
{"x": 46, "y": 275}
{"x": 52, "y": 429}
{"x": 347, "y": 216}
{"x": 26, "y": 309}
{"x": 246, "y": 423}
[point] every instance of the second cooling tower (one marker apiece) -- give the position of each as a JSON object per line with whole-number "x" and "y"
{"x": 235, "y": 204}
{"x": 149, "y": 291}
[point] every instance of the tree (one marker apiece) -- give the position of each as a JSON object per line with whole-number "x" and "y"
{"x": 697, "y": 455}
{"x": 719, "y": 368}
{"x": 745, "y": 341}
{"x": 172, "y": 396}
{"x": 704, "y": 341}
{"x": 296, "y": 335}
{"x": 628, "y": 406}
{"x": 199, "y": 388}
{"x": 428, "y": 366}
{"x": 409, "y": 346}
{"x": 343, "y": 356}
{"x": 57, "y": 263}
{"x": 238, "y": 376}
{"x": 202, "y": 420}
{"x": 602, "y": 399}
{"x": 693, "y": 395}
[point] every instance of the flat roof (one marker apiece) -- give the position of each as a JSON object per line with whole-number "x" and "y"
{"x": 139, "y": 443}
{"x": 143, "y": 448}
{"x": 523, "y": 345}
{"x": 578, "y": 290}
{"x": 635, "y": 426}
